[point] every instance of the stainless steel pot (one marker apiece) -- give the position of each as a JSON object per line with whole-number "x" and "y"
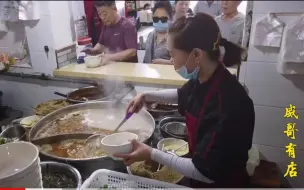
{"x": 68, "y": 170}
{"x": 165, "y": 133}
{"x": 87, "y": 166}
{"x": 14, "y": 131}
{"x": 90, "y": 93}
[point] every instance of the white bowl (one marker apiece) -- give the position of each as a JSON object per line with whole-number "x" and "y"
{"x": 18, "y": 159}
{"x": 118, "y": 143}
{"x": 32, "y": 180}
{"x": 92, "y": 61}
{"x": 29, "y": 122}
{"x": 177, "y": 143}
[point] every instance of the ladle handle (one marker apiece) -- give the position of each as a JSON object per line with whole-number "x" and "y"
{"x": 180, "y": 147}
{"x": 129, "y": 114}
{"x": 60, "y": 94}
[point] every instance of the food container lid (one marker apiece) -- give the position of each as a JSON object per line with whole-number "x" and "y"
{"x": 84, "y": 40}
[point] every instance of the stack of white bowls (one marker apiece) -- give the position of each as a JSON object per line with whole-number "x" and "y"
{"x": 20, "y": 165}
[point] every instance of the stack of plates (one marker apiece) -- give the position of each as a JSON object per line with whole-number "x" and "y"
{"x": 20, "y": 165}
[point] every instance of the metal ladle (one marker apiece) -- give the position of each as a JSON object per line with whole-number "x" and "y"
{"x": 94, "y": 142}
{"x": 174, "y": 150}
{"x": 158, "y": 168}
{"x": 97, "y": 137}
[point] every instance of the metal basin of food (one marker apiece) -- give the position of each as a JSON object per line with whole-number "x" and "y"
{"x": 105, "y": 115}
{"x": 14, "y": 132}
{"x": 90, "y": 93}
{"x": 49, "y": 168}
{"x": 159, "y": 110}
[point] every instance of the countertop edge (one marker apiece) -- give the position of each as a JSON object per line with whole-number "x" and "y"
{"x": 131, "y": 79}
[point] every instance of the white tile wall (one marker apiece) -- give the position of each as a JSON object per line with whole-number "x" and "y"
{"x": 270, "y": 125}
{"x": 38, "y": 39}
{"x": 60, "y": 23}
{"x": 272, "y": 92}
{"x": 269, "y": 88}
{"x": 15, "y": 34}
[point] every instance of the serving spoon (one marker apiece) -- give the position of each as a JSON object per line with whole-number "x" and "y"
{"x": 174, "y": 150}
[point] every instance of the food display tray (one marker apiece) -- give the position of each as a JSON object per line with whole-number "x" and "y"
{"x": 116, "y": 180}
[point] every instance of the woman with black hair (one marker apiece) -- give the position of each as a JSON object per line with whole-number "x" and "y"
{"x": 156, "y": 44}
{"x": 181, "y": 8}
{"x": 219, "y": 113}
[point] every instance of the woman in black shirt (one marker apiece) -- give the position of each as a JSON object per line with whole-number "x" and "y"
{"x": 219, "y": 114}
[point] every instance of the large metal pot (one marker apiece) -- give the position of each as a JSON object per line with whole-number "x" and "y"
{"x": 90, "y": 93}
{"x": 87, "y": 166}
{"x": 56, "y": 167}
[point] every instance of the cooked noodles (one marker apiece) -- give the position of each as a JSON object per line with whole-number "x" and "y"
{"x": 149, "y": 170}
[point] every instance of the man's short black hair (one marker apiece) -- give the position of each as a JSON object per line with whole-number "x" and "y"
{"x": 147, "y": 5}
{"x": 108, "y": 3}
{"x": 163, "y": 5}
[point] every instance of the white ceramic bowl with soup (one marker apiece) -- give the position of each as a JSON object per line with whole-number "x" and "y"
{"x": 118, "y": 143}
{"x": 92, "y": 61}
{"x": 172, "y": 144}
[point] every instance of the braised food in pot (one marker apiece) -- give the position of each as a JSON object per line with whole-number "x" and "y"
{"x": 72, "y": 148}
{"x": 69, "y": 124}
{"x": 156, "y": 106}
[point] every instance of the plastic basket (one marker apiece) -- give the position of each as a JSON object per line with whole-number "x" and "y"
{"x": 115, "y": 180}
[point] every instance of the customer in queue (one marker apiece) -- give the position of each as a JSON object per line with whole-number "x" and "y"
{"x": 147, "y": 6}
{"x": 156, "y": 44}
{"x": 231, "y": 22}
{"x": 118, "y": 40}
{"x": 212, "y": 8}
{"x": 181, "y": 8}
{"x": 219, "y": 113}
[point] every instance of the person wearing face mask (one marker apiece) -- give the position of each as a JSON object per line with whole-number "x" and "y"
{"x": 231, "y": 22}
{"x": 156, "y": 44}
{"x": 219, "y": 113}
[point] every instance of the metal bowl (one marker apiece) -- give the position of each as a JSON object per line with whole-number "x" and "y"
{"x": 165, "y": 133}
{"x": 177, "y": 128}
{"x": 68, "y": 170}
{"x": 14, "y": 131}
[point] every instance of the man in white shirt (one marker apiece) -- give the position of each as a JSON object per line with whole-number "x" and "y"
{"x": 212, "y": 8}
{"x": 231, "y": 22}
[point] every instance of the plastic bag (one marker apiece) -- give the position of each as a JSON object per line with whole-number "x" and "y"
{"x": 253, "y": 160}
{"x": 293, "y": 42}
{"x": 268, "y": 31}
{"x": 291, "y": 56}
